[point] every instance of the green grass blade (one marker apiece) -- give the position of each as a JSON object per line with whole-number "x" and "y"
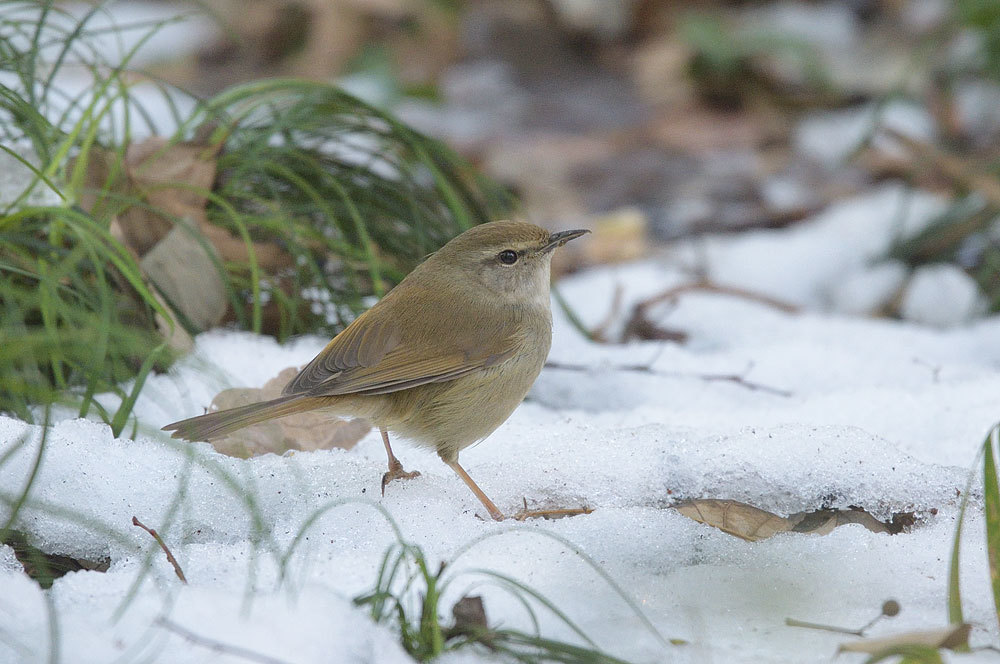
{"x": 991, "y": 496}
{"x": 517, "y": 586}
{"x": 542, "y": 649}
{"x": 35, "y": 171}
{"x": 590, "y": 562}
{"x": 908, "y": 654}
{"x": 955, "y": 612}
{"x": 125, "y": 409}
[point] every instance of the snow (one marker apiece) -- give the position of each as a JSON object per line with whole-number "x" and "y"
{"x": 830, "y": 137}
{"x": 789, "y": 412}
{"x": 802, "y": 264}
{"x": 942, "y": 295}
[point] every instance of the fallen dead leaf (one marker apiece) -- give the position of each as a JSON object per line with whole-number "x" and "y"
{"x": 951, "y": 637}
{"x": 303, "y": 431}
{"x": 615, "y": 237}
{"x": 618, "y": 236}
{"x": 163, "y": 181}
{"x": 739, "y": 519}
{"x": 469, "y": 614}
{"x": 754, "y": 524}
{"x": 175, "y": 178}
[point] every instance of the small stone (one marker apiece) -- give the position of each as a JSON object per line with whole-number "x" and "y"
{"x": 890, "y": 608}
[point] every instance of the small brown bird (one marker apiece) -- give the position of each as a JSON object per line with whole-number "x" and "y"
{"x": 443, "y": 359}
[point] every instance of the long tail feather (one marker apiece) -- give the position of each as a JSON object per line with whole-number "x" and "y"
{"x": 220, "y": 423}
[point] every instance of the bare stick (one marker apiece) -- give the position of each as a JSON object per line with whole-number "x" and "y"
{"x": 217, "y": 646}
{"x": 642, "y": 368}
{"x": 640, "y": 326}
{"x": 163, "y": 545}
{"x": 708, "y": 287}
{"x": 954, "y": 168}
{"x": 792, "y": 622}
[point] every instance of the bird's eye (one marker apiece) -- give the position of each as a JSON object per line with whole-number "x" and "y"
{"x": 507, "y": 256}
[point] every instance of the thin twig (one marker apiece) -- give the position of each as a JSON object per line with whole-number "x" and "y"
{"x": 956, "y": 170}
{"x": 163, "y": 545}
{"x": 721, "y": 289}
{"x": 890, "y": 609}
{"x": 792, "y": 622}
{"x": 217, "y": 646}
{"x": 639, "y": 325}
{"x": 642, "y": 368}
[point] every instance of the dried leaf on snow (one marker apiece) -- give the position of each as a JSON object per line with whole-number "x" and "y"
{"x": 753, "y": 524}
{"x": 302, "y": 431}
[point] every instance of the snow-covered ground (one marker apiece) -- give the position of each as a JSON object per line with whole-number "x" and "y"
{"x": 833, "y": 411}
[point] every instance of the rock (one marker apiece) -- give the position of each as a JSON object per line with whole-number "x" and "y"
{"x": 183, "y": 267}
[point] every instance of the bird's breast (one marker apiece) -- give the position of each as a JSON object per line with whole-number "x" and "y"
{"x": 452, "y": 415}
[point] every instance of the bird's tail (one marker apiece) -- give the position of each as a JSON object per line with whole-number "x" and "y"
{"x": 223, "y": 422}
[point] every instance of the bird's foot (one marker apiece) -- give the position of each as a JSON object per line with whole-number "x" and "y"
{"x": 552, "y": 513}
{"x": 396, "y": 472}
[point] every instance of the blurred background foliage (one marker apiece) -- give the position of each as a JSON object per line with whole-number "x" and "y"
{"x": 277, "y": 206}
{"x": 169, "y": 166}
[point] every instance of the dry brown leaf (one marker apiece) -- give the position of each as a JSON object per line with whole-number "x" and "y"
{"x": 618, "y": 236}
{"x": 739, "y": 519}
{"x": 469, "y": 614}
{"x": 184, "y": 270}
{"x": 303, "y": 431}
{"x": 956, "y": 170}
{"x": 660, "y": 68}
{"x": 174, "y": 180}
{"x": 270, "y": 257}
{"x": 753, "y": 524}
{"x": 951, "y": 637}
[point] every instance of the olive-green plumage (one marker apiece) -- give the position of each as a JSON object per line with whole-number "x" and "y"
{"x": 443, "y": 359}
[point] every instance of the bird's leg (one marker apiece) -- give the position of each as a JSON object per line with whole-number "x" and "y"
{"x": 396, "y": 471}
{"x": 487, "y": 503}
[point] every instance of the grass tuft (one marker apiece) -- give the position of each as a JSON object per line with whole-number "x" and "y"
{"x": 408, "y": 593}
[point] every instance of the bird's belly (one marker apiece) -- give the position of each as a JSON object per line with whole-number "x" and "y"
{"x": 453, "y": 415}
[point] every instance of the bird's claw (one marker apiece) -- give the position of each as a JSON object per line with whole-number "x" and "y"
{"x": 396, "y": 472}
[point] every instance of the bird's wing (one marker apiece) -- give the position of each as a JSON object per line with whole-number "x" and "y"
{"x": 374, "y": 356}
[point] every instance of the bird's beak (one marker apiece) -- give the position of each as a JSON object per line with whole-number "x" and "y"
{"x": 561, "y": 238}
